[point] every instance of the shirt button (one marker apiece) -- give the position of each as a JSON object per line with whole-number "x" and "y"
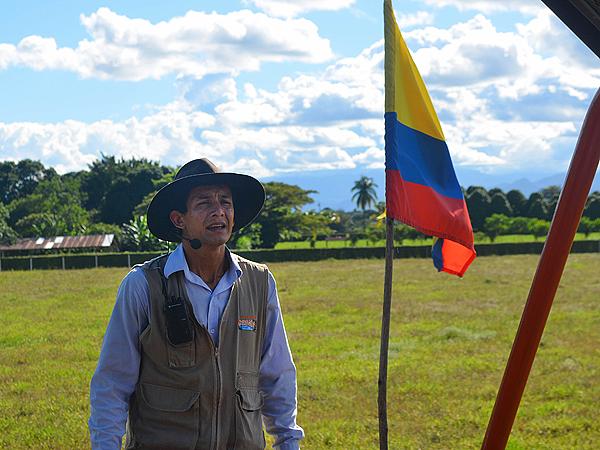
{"x": 212, "y": 331}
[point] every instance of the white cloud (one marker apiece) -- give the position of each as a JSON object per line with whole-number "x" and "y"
{"x": 71, "y": 145}
{"x": 195, "y": 44}
{"x": 490, "y": 6}
{"x": 504, "y": 105}
{"x": 316, "y": 158}
{"x": 287, "y": 8}
{"x": 547, "y": 34}
{"x": 471, "y": 52}
{"x": 474, "y": 53}
{"x": 371, "y": 158}
{"x": 411, "y": 20}
{"x": 248, "y": 165}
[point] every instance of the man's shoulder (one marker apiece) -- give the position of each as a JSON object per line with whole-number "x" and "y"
{"x": 135, "y": 282}
{"x": 137, "y": 277}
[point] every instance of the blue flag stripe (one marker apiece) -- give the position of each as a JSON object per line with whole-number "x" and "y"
{"x": 419, "y": 158}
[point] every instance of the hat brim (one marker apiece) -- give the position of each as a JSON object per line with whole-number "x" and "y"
{"x": 248, "y": 199}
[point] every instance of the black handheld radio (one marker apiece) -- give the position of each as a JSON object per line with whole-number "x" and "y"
{"x": 179, "y": 328}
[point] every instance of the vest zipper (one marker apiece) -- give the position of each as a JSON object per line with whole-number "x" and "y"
{"x": 218, "y": 397}
{"x": 217, "y": 402}
{"x": 218, "y": 368}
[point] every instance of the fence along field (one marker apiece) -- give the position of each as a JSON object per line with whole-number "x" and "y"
{"x": 127, "y": 259}
{"x": 450, "y": 339}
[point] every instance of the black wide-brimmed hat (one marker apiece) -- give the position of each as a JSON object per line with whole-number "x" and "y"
{"x": 248, "y": 197}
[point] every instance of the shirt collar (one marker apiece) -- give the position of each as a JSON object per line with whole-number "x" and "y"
{"x": 176, "y": 262}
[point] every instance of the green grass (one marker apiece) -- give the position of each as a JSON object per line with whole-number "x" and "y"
{"x": 429, "y": 241}
{"x": 450, "y": 339}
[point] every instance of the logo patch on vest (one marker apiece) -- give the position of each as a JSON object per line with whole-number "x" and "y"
{"x": 247, "y": 323}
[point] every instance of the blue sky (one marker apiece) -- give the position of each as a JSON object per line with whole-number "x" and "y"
{"x": 281, "y": 88}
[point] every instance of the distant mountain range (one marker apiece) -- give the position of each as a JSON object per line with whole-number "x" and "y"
{"x": 334, "y": 186}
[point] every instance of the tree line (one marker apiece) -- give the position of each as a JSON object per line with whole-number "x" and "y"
{"x": 496, "y": 213}
{"x": 111, "y": 196}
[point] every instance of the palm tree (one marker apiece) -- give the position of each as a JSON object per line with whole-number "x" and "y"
{"x": 364, "y": 192}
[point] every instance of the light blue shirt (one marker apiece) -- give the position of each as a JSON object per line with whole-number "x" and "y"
{"x": 118, "y": 366}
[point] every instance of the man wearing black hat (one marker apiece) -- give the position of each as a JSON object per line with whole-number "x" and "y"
{"x": 195, "y": 355}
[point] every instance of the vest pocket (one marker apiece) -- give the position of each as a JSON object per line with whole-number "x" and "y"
{"x": 167, "y": 417}
{"x": 248, "y": 420}
{"x": 181, "y": 355}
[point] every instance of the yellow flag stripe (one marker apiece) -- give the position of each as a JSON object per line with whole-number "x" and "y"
{"x": 405, "y": 92}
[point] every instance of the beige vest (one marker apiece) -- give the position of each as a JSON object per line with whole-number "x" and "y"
{"x": 194, "y": 395}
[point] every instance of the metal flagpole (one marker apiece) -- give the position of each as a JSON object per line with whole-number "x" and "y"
{"x": 550, "y": 268}
{"x": 385, "y": 333}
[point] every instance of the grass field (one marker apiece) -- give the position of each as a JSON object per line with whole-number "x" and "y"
{"x": 512, "y": 238}
{"x": 449, "y": 342}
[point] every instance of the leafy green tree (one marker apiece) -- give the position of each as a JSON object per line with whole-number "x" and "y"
{"x": 247, "y": 238}
{"x": 517, "y": 202}
{"x": 364, "y": 192}
{"x": 98, "y": 179}
{"x": 314, "y": 225}
{"x": 478, "y": 203}
{"x": 354, "y": 238}
{"x": 21, "y": 178}
{"x": 539, "y": 228}
{"x": 499, "y": 204}
{"x": 592, "y": 210}
{"x": 7, "y": 234}
{"x": 402, "y": 232}
{"x": 474, "y": 188}
{"x": 53, "y": 209}
{"x": 101, "y": 228}
{"x": 39, "y": 224}
{"x": 586, "y": 226}
{"x": 22, "y": 207}
{"x": 137, "y": 236}
{"x": 114, "y": 187}
{"x": 375, "y": 231}
{"x": 159, "y": 183}
{"x": 518, "y": 225}
{"x": 550, "y": 195}
{"x": 282, "y": 214}
{"x": 496, "y": 225}
{"x": 536, "y": 206}
{"x": 334, "y": 220}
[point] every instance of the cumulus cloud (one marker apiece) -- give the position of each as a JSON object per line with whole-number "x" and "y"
{"x": 411, "y": 20}
{"x": 504, "y": 101}
{"x": 371, "y": 158}
{"x": 195, "y": 45}
{"x": 517, "y": 63}
{"x": 546, "y": 33}
{"x": 490, "y": 6}
{"x": 167, "y": 136}
{"x": 287, "y": 8}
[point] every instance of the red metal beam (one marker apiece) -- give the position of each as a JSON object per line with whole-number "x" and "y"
{"x": 550, "y": 268}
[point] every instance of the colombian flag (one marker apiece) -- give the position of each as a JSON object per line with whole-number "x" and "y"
{"x": 421, "y": 186}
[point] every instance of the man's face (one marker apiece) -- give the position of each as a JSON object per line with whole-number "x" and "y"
{"x": 209, "y": 215}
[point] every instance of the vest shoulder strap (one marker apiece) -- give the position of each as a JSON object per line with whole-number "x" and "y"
{"x": 154, "y": 263}
{"x": 246, "y": 264}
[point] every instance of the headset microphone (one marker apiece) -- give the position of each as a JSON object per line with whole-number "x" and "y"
{"x": 194, "y": 243}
